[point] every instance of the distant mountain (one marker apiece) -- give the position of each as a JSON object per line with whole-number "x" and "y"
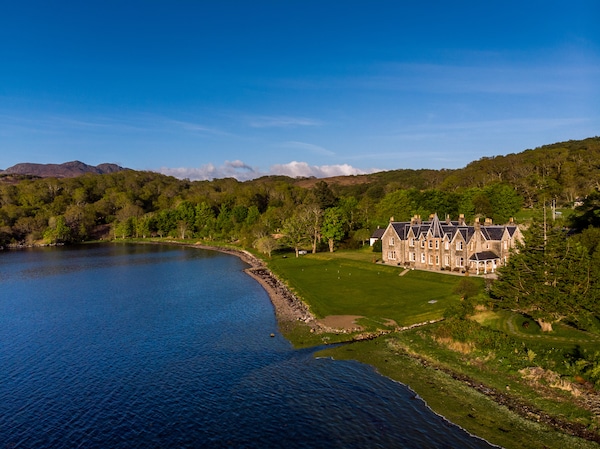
{"x": 66, "y": 170}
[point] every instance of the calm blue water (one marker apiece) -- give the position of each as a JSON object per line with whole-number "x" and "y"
{"x": 117, "y": 346}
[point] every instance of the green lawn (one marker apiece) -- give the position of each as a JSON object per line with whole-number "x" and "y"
{"x": 562, "y": 336}
{"x": 349, "y": 283}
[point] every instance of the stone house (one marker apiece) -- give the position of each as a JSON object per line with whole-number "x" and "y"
{"x": 449, "y": 245}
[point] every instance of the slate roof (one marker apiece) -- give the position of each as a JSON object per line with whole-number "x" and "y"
{"x": 492, "y": 232}
{"x": 484, "y": 255}
{"x": 440, "y": 229}
{"x": 377, "y": 233}
{"x": 401, "y": 229}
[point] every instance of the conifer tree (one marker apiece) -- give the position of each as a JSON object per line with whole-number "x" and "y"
{"x": 547, "y": 277}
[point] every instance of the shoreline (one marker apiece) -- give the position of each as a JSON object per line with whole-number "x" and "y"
{"x": 288, "y": 307}
{"x": 291, "y": 309}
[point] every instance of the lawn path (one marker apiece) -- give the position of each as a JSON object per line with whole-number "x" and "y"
{"x": 512, "y": 329}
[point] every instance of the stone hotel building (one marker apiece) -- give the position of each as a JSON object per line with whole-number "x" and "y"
{"x": 448, "y": 245}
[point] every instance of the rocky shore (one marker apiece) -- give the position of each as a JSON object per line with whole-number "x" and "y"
{"x": 288, "y": 307}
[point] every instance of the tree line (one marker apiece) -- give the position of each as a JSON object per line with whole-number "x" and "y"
{"x": 554, "y": 274}
{"x": 298, "y": 213}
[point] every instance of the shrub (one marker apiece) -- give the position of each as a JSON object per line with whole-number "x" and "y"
{"x": 377, "y": 246}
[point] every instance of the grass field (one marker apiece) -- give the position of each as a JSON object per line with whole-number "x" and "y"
{"x": 349, "y": 283}
{"x": 562, "y": 336}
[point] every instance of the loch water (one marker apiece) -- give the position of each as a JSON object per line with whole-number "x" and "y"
{"x": 146, "y": 346}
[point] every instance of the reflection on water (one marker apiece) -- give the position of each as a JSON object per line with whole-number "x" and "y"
{"x": 148, "y": 346}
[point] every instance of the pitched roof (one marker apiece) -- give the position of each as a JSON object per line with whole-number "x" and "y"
{"x": 436, "y": 227}
{"x": 484, "y": 255}
{"x": 401, "y": 228}
{"x": 492, "y": 232}
{"x": 377, "y": 233}
{"x": 440, "y": 229}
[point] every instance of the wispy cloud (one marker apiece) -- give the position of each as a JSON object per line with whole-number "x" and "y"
{"x": 316, "y": 149}
{"x": 244, "y": 172}
{"x": 281, "y": 121}
{"x": 196, "y": 127}
{"x": 427, "y": 130}
{"x": 482, "y": 74}
{"x": 53, "y": 124}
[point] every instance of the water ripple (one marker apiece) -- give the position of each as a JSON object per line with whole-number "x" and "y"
{"x": 123, "y": 347}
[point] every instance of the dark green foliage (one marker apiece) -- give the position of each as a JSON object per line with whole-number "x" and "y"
{"x": 467, "y": 288}
{"x": 377, "y": 246}
{"x": 324, "y": 196}
{"x": 137, "y": 204}
{"x": 485, "y": 339}
{"x": 587, "y": 214}
{"x": 551, "y": 277}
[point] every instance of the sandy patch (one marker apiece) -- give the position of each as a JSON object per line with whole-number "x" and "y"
{"x": 341, "y": 322}
{"x": 389, "y": 322}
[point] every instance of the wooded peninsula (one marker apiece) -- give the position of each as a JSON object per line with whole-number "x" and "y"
{"x": 518, "y": 351}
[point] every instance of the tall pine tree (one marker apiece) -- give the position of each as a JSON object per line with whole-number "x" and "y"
{"x": 548, "y": 277}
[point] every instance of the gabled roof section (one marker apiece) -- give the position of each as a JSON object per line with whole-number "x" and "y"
{"x": 511, "y": 230}
{"x": 401, "y": 228}
{"x": 492, "y": 232}
{"x": 436, "y": 228}
{"x": 466, "y": 232}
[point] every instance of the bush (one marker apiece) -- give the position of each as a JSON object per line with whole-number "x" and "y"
{"x": 466, "y": 288}
{"x": 377, "y": 246}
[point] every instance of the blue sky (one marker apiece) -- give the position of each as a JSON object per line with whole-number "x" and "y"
{"x": 205, "y": 89}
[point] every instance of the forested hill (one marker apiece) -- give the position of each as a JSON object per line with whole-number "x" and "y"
{"x": 565, "y": 170}
{"x": 135, "y": 203}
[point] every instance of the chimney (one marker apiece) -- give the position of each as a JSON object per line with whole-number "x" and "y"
{"x": 448, "y": 221}
{"x": 488, "y": 222}
{"x": 391, "y": 219}
{"x": 461, "y": 220}
{"x": 511, "y": 220}
{"x": 477, "y": 225}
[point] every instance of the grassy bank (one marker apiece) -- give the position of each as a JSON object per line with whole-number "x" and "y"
{"x": 349, "y": 283}
{"x": 477, "y": 381}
